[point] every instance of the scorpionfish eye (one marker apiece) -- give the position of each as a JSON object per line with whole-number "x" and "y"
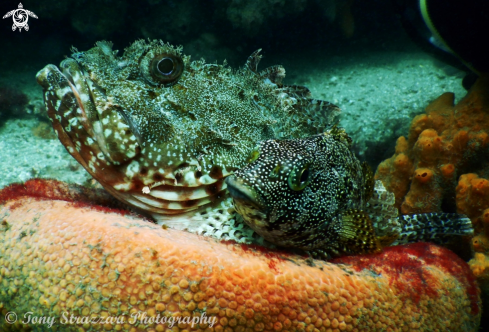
{"x": 166, "y": 66}
{"x": 163, "y": 68}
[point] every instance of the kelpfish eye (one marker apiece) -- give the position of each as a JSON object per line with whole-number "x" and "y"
{"x": 163, "y": 68}
{"x": 299, "y": 177}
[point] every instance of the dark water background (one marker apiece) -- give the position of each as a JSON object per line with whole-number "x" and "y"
{"x": 216, "y": 29}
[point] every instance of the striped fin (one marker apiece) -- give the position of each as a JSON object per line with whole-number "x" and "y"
{"x": 433, "y": 227}
{"x": 296, "y": 91}
{"x": 253, "y": 61}
{"x": 320, "y": 113}
{"x": 107, "y": 126}
{"x": 274, "y": 73}
{"x": 70, "y": 120}
{"x": 324, "y": 109}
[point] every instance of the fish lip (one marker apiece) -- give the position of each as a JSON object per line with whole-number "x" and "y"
{"x": 243, "y": 193}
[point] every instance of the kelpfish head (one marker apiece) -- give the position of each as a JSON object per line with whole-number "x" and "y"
{"x": 294, "y": 192}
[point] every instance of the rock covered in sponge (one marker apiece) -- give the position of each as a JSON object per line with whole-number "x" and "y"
{"x": 58, "y": 256}
{"x": 472, "y": 195}
{"x": 443, "y": 166}
{"x": 446, "y": 142}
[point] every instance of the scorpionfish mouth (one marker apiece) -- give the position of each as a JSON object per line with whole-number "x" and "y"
{"x": 101, "y": 135}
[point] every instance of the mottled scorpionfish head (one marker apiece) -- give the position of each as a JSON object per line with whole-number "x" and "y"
{"x": 161, "y": 132}
{"x": 307, "y": 193}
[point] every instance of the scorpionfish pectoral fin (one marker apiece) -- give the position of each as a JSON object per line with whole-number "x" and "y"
{"x": 357, "y": 234}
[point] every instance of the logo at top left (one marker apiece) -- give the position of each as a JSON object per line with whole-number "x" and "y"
{"x": 20, "y": 17}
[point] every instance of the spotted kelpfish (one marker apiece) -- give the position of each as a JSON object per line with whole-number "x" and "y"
{"x": 314, "y": 194}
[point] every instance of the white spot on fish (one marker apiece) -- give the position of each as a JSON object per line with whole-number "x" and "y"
{"x": 121, "y": 125}
{"x": 132, "y": 168}
{"x": 190, "y": 178}
{"x": 92, "y": 168}
{"x": 123, "y": 186}
{"x": 84, "y": 97}
{"x": 73, "y": 121}
{"x": 62, "y": 92}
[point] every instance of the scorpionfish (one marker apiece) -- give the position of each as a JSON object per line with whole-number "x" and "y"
{"x": 161, "y": 132}
{"x": 314, "y": 194}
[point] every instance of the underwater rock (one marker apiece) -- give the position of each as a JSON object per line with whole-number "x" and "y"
{"x": 62, "y": 257}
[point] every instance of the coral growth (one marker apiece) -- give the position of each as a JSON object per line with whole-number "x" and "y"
{"x": 443, "y": 166}
{"x": 472, "y": 195}
{"x": 58, "y": 258}
{"x": 443, "y": 144}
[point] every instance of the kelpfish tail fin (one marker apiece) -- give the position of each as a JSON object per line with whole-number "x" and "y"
{"x": 433, "y": 227}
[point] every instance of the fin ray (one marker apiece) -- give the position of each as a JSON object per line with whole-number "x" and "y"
{"x": 433, "y": 227}
{"x": 253, "y": 61}
{"x": 357, "y": 234}
{"x": 274, "y": 73}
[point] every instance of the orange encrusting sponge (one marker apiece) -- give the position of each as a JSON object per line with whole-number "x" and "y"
{"x": 63, "y": 258}
{"x": 446, "y": 140}
{"x": 450, "y": 144}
